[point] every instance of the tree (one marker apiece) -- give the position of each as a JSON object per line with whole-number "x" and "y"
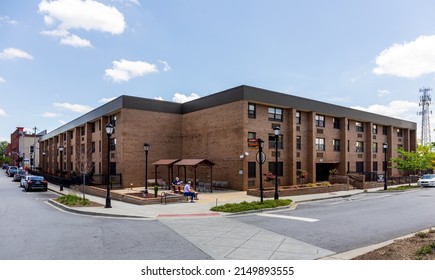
{"x": 414, "y": 161}
{"x": 84, "y": 163}
{"x": 3, "y": 157}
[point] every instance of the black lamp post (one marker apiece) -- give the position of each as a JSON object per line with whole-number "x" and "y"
{"x": 146, "y": 148}
{"x": 61, "y": 167}
{"x": 260, "y": 162}
{"x": 276, "y": 130}
{"x": 109, "y": 131}
{"x": 385, "y": 146}
{"x": 43, "y": 162}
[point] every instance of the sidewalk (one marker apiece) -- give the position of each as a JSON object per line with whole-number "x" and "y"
{"x": 217, "y": 235}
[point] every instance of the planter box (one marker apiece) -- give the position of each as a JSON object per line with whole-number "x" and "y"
{"x": 133, "y": 198}
{"x": 290, "y": 191}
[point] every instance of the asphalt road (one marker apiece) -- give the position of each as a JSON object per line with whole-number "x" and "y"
{"x": 31, "y": 229}
{"x": 348, "y": 223}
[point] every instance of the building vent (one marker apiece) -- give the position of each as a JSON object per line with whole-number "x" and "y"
{"x": 319, "y": 155}
{"x": 400, "y": 139}
{"x": 359, "y": 135}
{"x": 360, "y": 155}
{"x": 374, "y": 155}
{"x": 320, "y": 131}
{"x": 298, "y": 154}
{"x": 374, "y": 137}
{"x": 276, "y": 125}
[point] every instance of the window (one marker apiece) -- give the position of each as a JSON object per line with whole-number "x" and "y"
{"x": 275, "y": 114}
{"x": 399, "y": 132}
{"x": 384, "y": 130}
{"x": 375, "y": 129}
{"x": 251, "y": 111}
{"x": 320, "y": 120}
{"x": 112, "y": 144}
{"x": 336, "y": 123}
{"x": 298, "y": 142}
{"x": 252, "y": 135}
{"x": 298, "y": 165}
{"x": 375, "y": 166}
{"x": 360, "y": 166}
{"x": 359, "y": 147}
{"x": 112, "y": 120}
{"x": 82, "y": 131}
{"x": 272, "y": 141}
{"x": 375, "y": 147}
{"x": 336, "y": 145}
{"x": 252, "y": 169}
{"x": 320, "y": 144}
{"x": 298, "y": 117}
{"x": 359, "y": 127}
{"x": 93, "y": 147}
{"x": 272, "y": 168}
{"x": 112, "y": 168}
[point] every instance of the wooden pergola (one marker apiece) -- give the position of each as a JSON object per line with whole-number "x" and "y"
{"x": 196, "y": 163}
{"x": 170, "y": 164}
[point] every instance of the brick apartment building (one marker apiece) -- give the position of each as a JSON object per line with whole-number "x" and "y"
{"x": 315, "y": 136}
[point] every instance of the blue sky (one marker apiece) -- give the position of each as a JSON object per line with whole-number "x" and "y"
{"x": 61, "y": 58}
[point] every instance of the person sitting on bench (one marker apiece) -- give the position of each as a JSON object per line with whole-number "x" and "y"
{"x": 188, "y": 191}
{"x": 176, "y": 185}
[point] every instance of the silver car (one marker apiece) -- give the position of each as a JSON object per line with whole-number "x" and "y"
{"x": 427, "y": 180}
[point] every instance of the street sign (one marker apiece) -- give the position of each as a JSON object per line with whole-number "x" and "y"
{"x": 263, "y": 157}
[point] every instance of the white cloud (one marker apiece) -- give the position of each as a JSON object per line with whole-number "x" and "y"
{"x": 7, "y": 20}
{"x": 50, "y": 115}
{"x": 158, "y": 98}
{"x": 12, "y": 53}
{"x": 166, "y": 66}
{"x": 124, "y": 70}
{"x": 181, "y": 98}
{"x": 409, "y": 60}
{"x": 2, "y": 113}
{"x": 107, "y": 99}
{"x": 401, "y": 109}
{"x": 62, "y": 33}
{"x": 383, "y": 92}
{"x": 2, "y": 81}
{"x": 75, "y": 41}
{"x": 87, "y": 15}
{"x": 62, "y": 122}
{"x": 73, "y": 107}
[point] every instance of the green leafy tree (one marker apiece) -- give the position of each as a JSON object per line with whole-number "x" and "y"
{"x": 3, "y": 157}
{"x": 414, "y": 162}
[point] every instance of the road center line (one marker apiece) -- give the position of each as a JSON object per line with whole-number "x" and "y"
{"x": 289, "y": 217}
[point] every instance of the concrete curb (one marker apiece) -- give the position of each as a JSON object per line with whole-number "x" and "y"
{"x": 91, "y": 213}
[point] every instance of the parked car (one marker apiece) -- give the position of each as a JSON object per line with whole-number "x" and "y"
{"x": 20, "y": 175}
{"x": 24, "y": 179}
{"x": 12, "y": 170}
{"x": 427, "y": 180}
{"x": 35, "y": 182}
{"x": 5, "y": 166}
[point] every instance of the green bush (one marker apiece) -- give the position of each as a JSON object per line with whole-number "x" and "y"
{"x": 73, "y": 200}
{"x": 424, "y": 250}
{"x": 255, "y": 205}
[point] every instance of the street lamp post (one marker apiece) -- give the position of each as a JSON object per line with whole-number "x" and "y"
{"x": 260, "y": 162}
{"x": 43, "y": 162}
{"x": 385, "y": 146}
{"x": 109, "y": 131}
{"x": 61, "y": 167}
{"x": 276, "y": 131}
{"x": 146, "y": 148}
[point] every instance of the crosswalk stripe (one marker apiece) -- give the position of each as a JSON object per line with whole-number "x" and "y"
{"x": 310, "y": 220}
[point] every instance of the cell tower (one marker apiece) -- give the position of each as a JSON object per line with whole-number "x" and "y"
{"x": 425, "y": 101}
